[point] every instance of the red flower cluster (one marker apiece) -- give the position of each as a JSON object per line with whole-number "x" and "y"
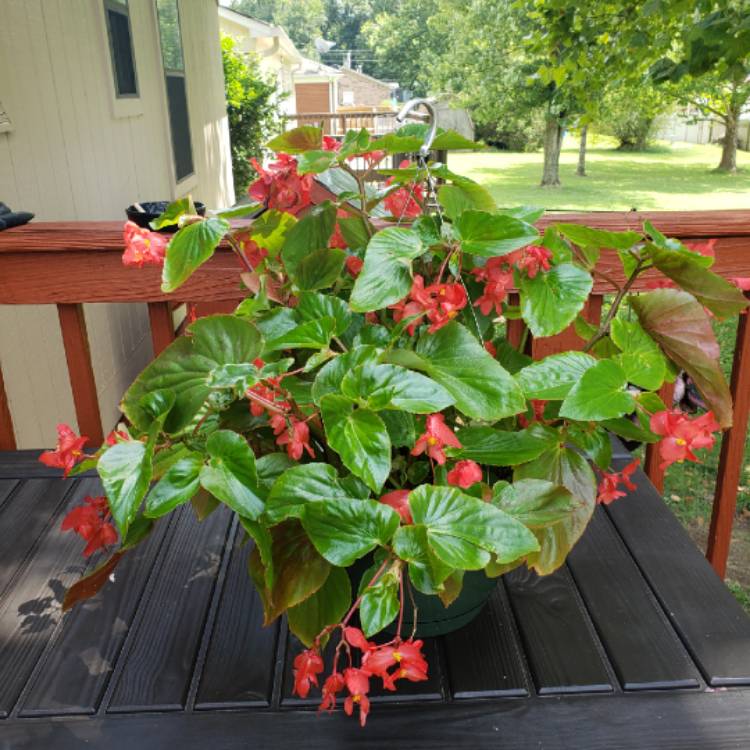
{"x": 435, "y": 437}
{"x": 91, "y": 522}
{"x": 399, "y": 501}
{"x": 67, "y": 453}
{"x": 464, "y": 474}
{"x": 682, "y": 436}
{"x": 330, "y": 143}
{"x": 337, "y": 238}
{"x": 353, "y": 265}
{"x": 307, "y": 666}
{"x": 406, "y": 200}
{"x": 610, "y": 480}
{"x": 280, "y": 186}
{"x": 533, "y": 258}
{"x": 142, "y": 247}
{"x": 439, "y": 302}
{"x": 250, "y": 248}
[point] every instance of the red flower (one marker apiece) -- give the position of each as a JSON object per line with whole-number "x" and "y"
{"x": 407, "y": 657}
{"x": 464, "y": 474}
{"x": 280, "y": 186}
{"x": 337, "y": 238}
{"x": 250, "y": 248}
{"x": 399, "y": 501}
{"x": 497, "y": 274}
{"x": 333, "y": 685}
{"x": 116, "y": 436}
{"x": 439, "y": 302}
{"x": 90, "y": 522}
{"x": 355, "y": 637}
{"x": 610, "y": 480}
{"x": 143, "y": 247}
{"x": 435, "y": 437}
{"x": 372, "y": 158}
{"x": 353, "y": 265}
{"x": 491, "y": 348}
{"x": 358, "y": 684}
{"x": 307, "y": 666}
{"x": 292, "y": 433}
{"x": 681, "y": 436}
{"x": 330, "y": 143}
{"x": 704, "y": 248}
{"x": 403, "y": 201}
{"x": 741, "y": 282}
{"x": 534, "y": 257}
{"x": 68, "y": 452}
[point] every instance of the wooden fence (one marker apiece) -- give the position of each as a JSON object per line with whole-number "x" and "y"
{"x": 68, "y": 264}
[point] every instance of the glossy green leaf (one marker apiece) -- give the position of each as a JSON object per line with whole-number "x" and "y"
{"x": 493, "y": 447}
{"x": 386, "y": 276}
{"x": 584, "y": 236}
{"x": 641, "y": 359}
{"x": 536, "y": 503}
{"x": 594, "y": 442}
{"x": 344, "y": 530}
{"x": 359, "y": 437}
{"x": 355, "y": 230}
{"x": 315, "y": 161}
{"x": 173, "y": 213}
{"x": 298, "y": 140}
{"x": 319, "y": 269}
{"x": 491, "y": 235}
{"x": 401, "y": 427}
{"x": 230, "y": 474}
{"x": 311, "y": 306}
{"x": 261, "y": 535}
{"x": 314, "y": 334}
{"x": 269, "y": 230}
{"x": 189, "y": 249}
{"x": 466, "y": 195}
{"x": 552, "y": 299}
{"x": 380, "y": 604}
{"x": 270, "y": 467}
{"x": 177, "y": 486}
{"x": 426, "y": 570}
{"x": 309, "y": 234}
{"x": 599, "y": 394}
{"x": 552, "y": 377}
{"x": 628, "y": 429}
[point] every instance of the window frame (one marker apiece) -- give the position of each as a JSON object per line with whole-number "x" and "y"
{"x": 116, "y": 6}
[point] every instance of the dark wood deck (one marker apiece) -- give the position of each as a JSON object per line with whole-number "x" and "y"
{"x": 636, "y": 643}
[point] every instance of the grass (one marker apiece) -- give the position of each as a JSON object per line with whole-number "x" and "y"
{"x": 678, "y": 177}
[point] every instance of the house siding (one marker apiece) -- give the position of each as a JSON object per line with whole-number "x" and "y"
{"x": 69, "y": 156}
{"x": 366, "y": 91}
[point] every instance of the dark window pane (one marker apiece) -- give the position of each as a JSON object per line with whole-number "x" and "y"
{"x": 121, "y": 48}
{"x": 180, "y": 126}
{"x": 169, "y": 32}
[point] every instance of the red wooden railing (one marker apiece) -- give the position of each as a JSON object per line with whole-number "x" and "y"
{"x": 69, "y": 264}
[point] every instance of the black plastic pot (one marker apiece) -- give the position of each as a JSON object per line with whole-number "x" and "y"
{"x": 153, "y": 209}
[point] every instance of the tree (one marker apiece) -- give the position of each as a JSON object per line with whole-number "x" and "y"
{"x": 252, "y": 101}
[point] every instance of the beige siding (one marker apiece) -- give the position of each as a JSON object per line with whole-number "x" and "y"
{"x": 71, "y": 154}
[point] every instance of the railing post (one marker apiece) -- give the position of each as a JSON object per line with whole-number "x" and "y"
{"x": 81, "y": 372}
{"x": 653, "y": 468}
{"x": 7, "y": 435}
{"x": 731, "y": 457}
{"x": 162, "y": 325}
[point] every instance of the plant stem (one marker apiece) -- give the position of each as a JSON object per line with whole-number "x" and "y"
{"x": 238, "y": 252}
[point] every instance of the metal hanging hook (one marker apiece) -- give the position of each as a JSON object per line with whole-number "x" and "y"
{"x": 424, "y": 150}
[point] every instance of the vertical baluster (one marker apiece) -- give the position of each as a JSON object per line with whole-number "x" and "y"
{"x": 81, "y": 371}
{"x": 7, "y": 435}
{"x": 732, "y": 454}
{"x": 515, "y": 328}
{"x": 162, "y": 325}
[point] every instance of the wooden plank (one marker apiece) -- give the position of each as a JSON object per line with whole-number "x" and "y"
{"x": 76, "y": 672}
{"x": 640, "y": 643}
{"x": 483, "y": 658}
{"x": 708, "y": 619}
{"x": 162, "y": 325}
{"x": 6, "y": 490}
{"x": 239, "y": 665}
{"x": 653, "y": 467}
{"x": 7, "y": 434}
{"x": 673, "y": 720}
{"x": 81, "y": 372}
{"x": 157, "y": 663}
{"x": 25, "y": 465}
{"x": 732, "y": 454}
{"x": 30, "y": 607}
{"x": 558, "y": 640}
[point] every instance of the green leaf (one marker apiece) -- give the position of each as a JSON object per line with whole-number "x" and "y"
{"x": 426, "y": 570}
{"x": 299, "y": 571}
{"x": 450, "y": 140}
{"x": 680, "y": 326}
{"x": 389, "y": 386}
{"x": 355, "y": 230}
{"x": 297, "y": 140}
{"x": 624, "y": 427}
{"x": 311, "y": 306}
{"x": 492, "y": 447}
{"x": 344, "y": 530}
{"x": 491, "y": 235}
{"x": 185, "y": 365}
{"x": 319, "y": 269}
{"x": 380, "y": 604}
{"x": 237, "y": 212}
{"x": 314, "y": 334}
{"x": 712, "y": 291}
{"x": 309, "y": 234}
{"x": 536, "y": 503}
{"x": 587, "y": 237}
{"x": 359, "y": 437}
{"x": 641, "y": 359}
{"x": 457, "y": 198}
{"x": 125, "y": 470}
{"x": 269, "y": 230}
{"x": 231, "y": 475}
{"x": 328, "y": 379}
{"x": 327, "y": 606}
{"x": 595, "y": 443}
{"x": 386, "y": 276}
{"x": 552, "y": 377}
{"x": 552, "y": 299}
{"x": 401, "y": 428}
{"x": 674, "y": 245}
{"x": 299, "y": 485}
{"x": 270, "y": 467}
{"x": 452, "y": 357}
{"x": 173, "y": 212}
{"x": 177, "y": 486}
{"x": 599, "y": 394}
{"x": 189, "y": 249}
{"x": 263, "y": 539}
{"x": 315, "y": 161}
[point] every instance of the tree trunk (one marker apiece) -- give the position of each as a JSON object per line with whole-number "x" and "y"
{"x": 728, "y": 161}
{"x": 581, "y": 169}
{"x": 553, "y": 133}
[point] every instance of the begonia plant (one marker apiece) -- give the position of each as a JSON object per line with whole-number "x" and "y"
{"x": 367, "y": 407}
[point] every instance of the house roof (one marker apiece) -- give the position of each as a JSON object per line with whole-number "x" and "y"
{"x": 359, "y": 74}
{"x": 258, "y": 29}
{"x": 316, "y": 69}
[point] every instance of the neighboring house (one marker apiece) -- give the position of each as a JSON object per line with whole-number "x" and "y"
{"x": 360, "y": 91}
{"x": 276, "y": 52}
{"x": 316, "y": 87}
{"x": 692, "y": 127}
{"x": 106, "y": 102}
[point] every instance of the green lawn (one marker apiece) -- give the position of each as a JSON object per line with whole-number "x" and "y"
{"x": 676, "y": 177}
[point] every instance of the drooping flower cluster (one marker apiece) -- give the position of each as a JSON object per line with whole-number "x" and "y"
{"x": 91, "y": 521}
{"x": 280, "y": 186}
{"x": 440, "y": 303}
{"x": 67, "y": 453}
{"x": 143, "y": 247}
{"x": 435, "y": 438}
{"x": 607, "y": 491}
{"x": 681, "y": 436}
{"x": 405, "y": 201}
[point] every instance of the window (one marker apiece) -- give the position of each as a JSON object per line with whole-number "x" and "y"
{"x": 121, "y": 48}
{"x": 174, "y": 71}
